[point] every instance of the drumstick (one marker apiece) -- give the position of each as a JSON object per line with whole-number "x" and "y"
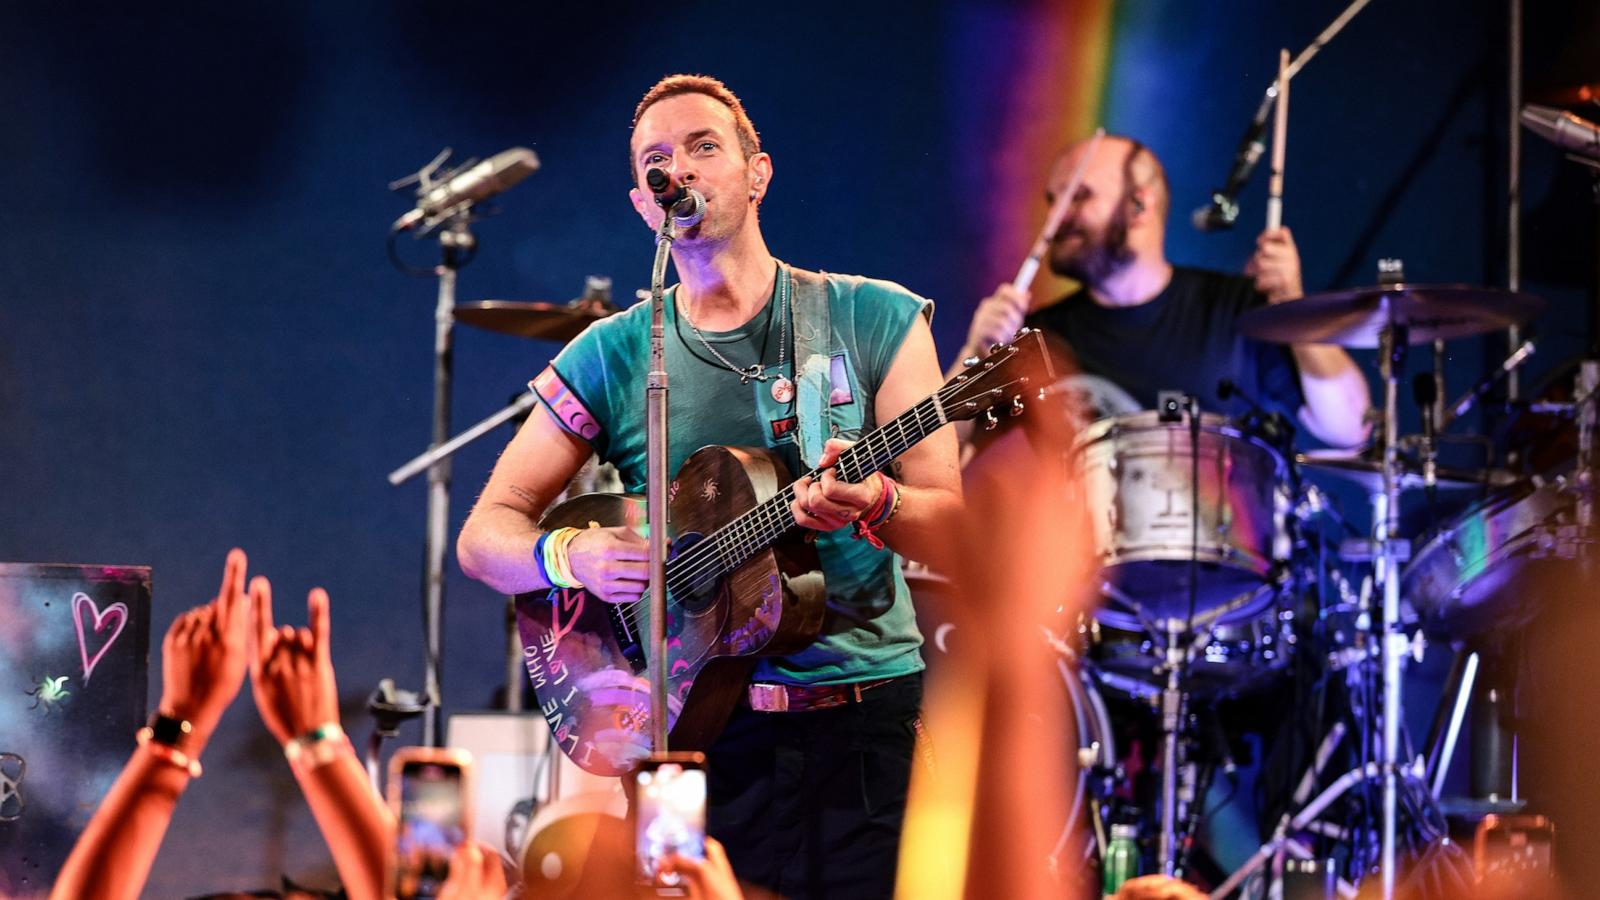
{"x": 1280, "y": 137}
{"x": 1058, "y": 211}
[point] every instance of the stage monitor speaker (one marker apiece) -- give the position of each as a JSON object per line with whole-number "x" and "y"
{"x": 74, "y": 659}
{"x": 512, "y": 752}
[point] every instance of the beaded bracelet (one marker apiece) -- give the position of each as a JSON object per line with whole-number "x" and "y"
{"x": 168, "y": 753}
{"x": 316, "y": 748}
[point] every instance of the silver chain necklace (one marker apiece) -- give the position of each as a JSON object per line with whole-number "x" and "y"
{"x": 782, "y": 388}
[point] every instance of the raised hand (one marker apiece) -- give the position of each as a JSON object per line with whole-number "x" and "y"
{"x": 291, "y": 669}
{"x": 611, "y": 563}
{"x": 708, "y": 879}
{"x": 204, "y": 656}
{"x": 1275, "y": 266}
{"x": 827, "y": 503}
{"x": 475, "y": 874}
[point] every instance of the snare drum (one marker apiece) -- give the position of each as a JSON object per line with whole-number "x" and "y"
{"x": 1137, "y": 475}
{"x": 1491, "y": 566}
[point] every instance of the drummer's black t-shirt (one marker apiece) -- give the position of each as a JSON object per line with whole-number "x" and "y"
{"x": 1186, "y": 339}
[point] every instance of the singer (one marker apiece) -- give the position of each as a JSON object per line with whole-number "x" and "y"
{"x": 1146, "y": 325}
{"x": 808, "y": 801}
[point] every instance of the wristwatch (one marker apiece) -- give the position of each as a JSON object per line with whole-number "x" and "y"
{"x": 165, "y": 729}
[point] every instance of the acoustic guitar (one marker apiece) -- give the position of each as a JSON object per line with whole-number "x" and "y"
{"x": 742, "y": 582}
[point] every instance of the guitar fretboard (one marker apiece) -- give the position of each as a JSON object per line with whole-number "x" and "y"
{"x": 736, "y": 542}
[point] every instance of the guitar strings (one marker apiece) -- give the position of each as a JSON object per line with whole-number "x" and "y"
{"x": 697, "y": 565}
{"x": 702, "y": 561}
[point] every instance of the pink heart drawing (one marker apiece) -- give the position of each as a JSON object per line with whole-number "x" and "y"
{"x": 102, "y": 620}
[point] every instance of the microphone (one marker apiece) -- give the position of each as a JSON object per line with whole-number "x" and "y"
{"x": 684, "y": 204}
{"x": 1223, "y": 209}
{"x": 1565, "y": 130}
{"x": 1273, "y": 426}
{"x": 1480, "y": 390}
{"x": 493, "y": 176}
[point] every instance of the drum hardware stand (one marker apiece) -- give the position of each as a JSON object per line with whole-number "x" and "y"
{"x": 1447, "y": 721}
{"x": 1172, "y": 706}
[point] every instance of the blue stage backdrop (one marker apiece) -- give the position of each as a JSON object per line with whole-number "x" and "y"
{"x": 203, "y": 345}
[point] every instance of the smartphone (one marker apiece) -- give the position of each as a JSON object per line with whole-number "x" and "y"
{"x": 1515, "y": 849}
{"x": 430, "y": 794}
{"x": 669, "y": 814}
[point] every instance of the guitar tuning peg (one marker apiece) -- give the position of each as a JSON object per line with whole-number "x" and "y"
{"x": 990, "y": 421}
{"x": 1016, "y": 405}
{"x": 970, "y": 361}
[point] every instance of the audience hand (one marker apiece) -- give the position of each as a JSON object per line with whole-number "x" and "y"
{"x": 204, "y": 655}
{"x": 708, "y": 879}
{"x": 1276, "y": 266}
{"x": 475, "y": 874}
{"x": 291, "y": 669}
{"x": 998, "y": 318}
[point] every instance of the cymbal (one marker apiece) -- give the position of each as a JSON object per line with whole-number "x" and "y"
{"x": 1356, "y": 318}
{"x": 548, "y": 321}
{"x": 1368, "y": 472}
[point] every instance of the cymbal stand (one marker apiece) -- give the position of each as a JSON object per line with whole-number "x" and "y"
{"x": 1390, "y": 552}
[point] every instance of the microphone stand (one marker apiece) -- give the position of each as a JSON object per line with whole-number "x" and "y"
{"x": 656, "y": 477}
{"x": 457, "y": 245}
{"x": 1223, "y": 209}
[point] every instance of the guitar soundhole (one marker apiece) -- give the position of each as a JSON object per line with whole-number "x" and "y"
{"x": 692, "y": 591}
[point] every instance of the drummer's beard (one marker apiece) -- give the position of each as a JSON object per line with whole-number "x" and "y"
{"x": 1096, "y": 257}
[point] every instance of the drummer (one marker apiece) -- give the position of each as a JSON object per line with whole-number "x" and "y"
{"x": 1138, "y": 324}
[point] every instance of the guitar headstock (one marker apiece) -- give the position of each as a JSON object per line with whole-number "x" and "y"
{"x": 1007, "y": 377}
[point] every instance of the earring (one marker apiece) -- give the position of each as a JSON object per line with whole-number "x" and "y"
{"x": 754, "y": 195}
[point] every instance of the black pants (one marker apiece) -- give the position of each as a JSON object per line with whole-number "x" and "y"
{"x": 810, "y": 804}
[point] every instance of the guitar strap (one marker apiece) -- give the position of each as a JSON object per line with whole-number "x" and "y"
{"x": 813, "y": 358}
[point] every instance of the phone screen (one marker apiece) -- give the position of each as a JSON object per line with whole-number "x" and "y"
{"x": 430, "y": 827}
{"x": 669, "y": 815}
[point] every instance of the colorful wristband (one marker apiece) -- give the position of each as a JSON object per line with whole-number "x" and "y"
{"x": 316, "y": 747}
{"x": 880, "y": 513}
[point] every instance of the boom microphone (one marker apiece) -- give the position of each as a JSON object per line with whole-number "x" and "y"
{"x": 493, "y": 176}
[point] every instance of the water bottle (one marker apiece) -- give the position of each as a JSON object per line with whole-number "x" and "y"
{"x": 1121, "y": 861}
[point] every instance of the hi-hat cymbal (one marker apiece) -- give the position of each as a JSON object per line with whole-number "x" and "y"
{"x": 1368, "y": 472}
{"x": 1357, "y": 317}
{"x": 549, "y": 321}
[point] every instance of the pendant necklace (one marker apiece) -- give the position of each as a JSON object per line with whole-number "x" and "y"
{"x": 782, "y": 387}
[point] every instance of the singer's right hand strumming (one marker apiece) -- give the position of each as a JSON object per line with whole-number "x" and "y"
{"x": 611, "y": 563}
{"x": 998, "y": 319}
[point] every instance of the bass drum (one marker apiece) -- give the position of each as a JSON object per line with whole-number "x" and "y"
{"x": 1092, "y": 742}
{"x": 1138, "y": 481}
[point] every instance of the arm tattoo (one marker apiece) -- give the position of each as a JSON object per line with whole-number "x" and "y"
{"x": 897, "y": 470}
{"x": 524, "y": 495}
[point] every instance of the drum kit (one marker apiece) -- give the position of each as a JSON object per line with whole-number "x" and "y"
{"x": 1218, "y": 572}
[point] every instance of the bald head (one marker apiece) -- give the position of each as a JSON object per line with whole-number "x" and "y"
{"x": 1119, "y": 210}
